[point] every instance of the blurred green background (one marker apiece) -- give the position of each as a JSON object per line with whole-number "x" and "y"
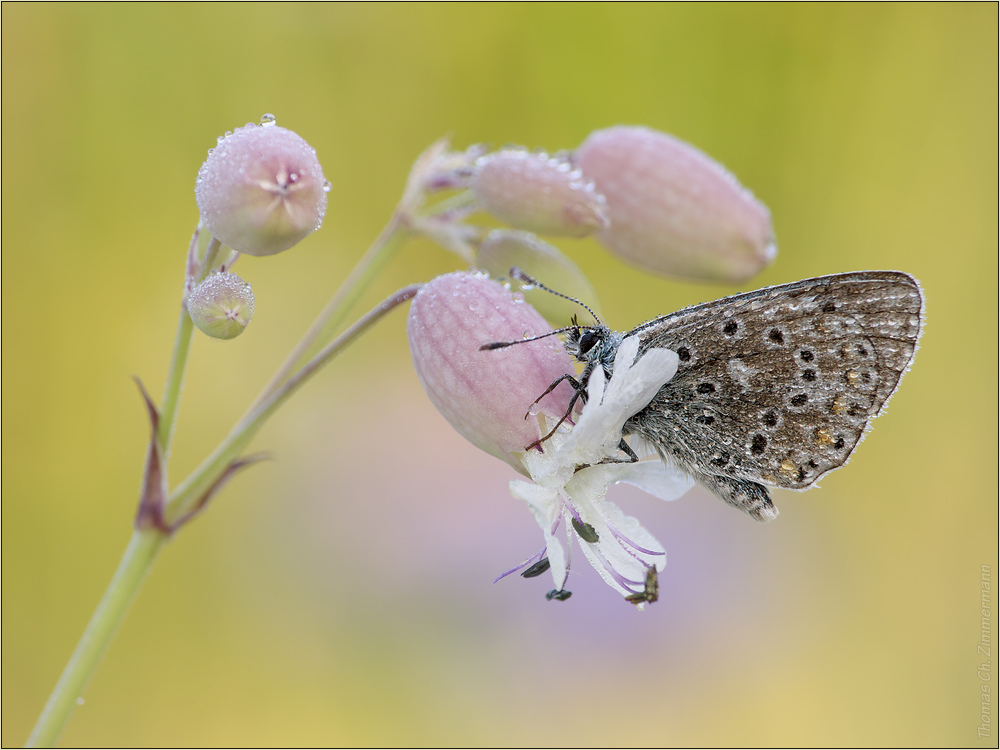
{"x": 341, "y": 594}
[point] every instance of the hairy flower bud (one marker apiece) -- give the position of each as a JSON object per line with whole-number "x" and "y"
{"x": 673, "y": 210}
{"x": 539, "y": 193}
{"x": 261, "y": 190}
{"x": 221, "y": 306}
{"x": 485, "y": 395}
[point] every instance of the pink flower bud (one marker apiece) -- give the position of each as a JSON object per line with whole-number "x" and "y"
{"x": 673, "y": 210}
{"x": 261, "y": 190}
{"x": 538, "y": 193}
{"x": 486, "y": 394}
{"x": 221, "y": 306}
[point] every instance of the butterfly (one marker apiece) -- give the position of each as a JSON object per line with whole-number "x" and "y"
{"x": 774, "y": 388}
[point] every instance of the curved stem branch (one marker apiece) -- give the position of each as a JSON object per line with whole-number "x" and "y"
{"x": 146, "y": 543}
{"x": 185, "y": 497}
{"x": 332, "y": 316}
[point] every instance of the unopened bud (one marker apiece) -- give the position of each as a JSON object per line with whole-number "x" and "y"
{"x": 539, "y": 193}
{"x": 486, "y": 395}
{"x": 261, "y": 190}
{"x": 674, "y": 210}
{"x": 221, "y": 306}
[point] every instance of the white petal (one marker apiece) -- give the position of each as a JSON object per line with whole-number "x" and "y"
{"x": 618, "y": 535}
{"x": 545, "y": 504}
{"x": 664, "y": 482}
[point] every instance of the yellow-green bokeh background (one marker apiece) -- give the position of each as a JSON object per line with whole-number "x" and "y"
{"x": 342, "y": 593}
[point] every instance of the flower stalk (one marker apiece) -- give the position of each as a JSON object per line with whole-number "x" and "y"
{"x": 146, "y": 542}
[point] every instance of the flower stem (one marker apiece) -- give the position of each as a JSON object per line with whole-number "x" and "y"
{"x": 332, "y": 316}
{"x": 178, "y": 361}
{"x": 187, "y": 495}
{"x": 138, "y": 557}
{"x": 146, "y": 543}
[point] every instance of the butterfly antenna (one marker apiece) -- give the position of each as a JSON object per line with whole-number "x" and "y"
{"x": 517, "y": 273}
{"x": 505, "y": 344}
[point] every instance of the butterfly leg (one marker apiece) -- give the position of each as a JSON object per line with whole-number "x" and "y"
{"x": 572, "y": 381}
{"x": 750, "y": 497}
{"x": 572, "y": 402}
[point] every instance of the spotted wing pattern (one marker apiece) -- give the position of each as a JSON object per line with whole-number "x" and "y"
{"x": 778, "y": 386}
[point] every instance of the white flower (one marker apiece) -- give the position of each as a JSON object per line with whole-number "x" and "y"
{"x": 564, "y": 495}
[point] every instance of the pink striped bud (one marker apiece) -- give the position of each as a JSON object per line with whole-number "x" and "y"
{"x": 261, "y": 190}
{"x": 485, "y": 395}
{"x": 539, "y": 193}
{"x": 673, "y": 210}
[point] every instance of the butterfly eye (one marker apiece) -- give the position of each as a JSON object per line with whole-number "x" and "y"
{"x": 587, "y": 341}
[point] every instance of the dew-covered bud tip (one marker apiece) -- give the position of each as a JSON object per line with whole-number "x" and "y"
{"x": 261, "y": 190}
{"x": 221, "y": 306}
{"x": 538, "y": 193}
{"x": 485, "y": 395}
{"x": 674, "y": 210}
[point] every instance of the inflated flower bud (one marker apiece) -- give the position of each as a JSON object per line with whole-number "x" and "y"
{"x": 221, "y": 306}
{"x": 486, "y": 394}
{"x": 261, "y": 190}
{"x": 504, "y": 249}
{"x": 673, "y": 210}
{"x": 539, "y": 193}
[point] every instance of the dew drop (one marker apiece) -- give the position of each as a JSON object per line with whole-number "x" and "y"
{"x": 326, "y": 186}
{"x": 474, "y": 305}
{"x": 267, "y": 120}
{"x": 534, "y": 409}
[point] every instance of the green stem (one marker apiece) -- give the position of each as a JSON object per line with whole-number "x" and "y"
{"x": 146, "y": 543}
{"x": 139, "y": 555}
{"x": 178, "y": 361}
{"x": 188, "y": 494}
{"x": 332, "y": 316}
